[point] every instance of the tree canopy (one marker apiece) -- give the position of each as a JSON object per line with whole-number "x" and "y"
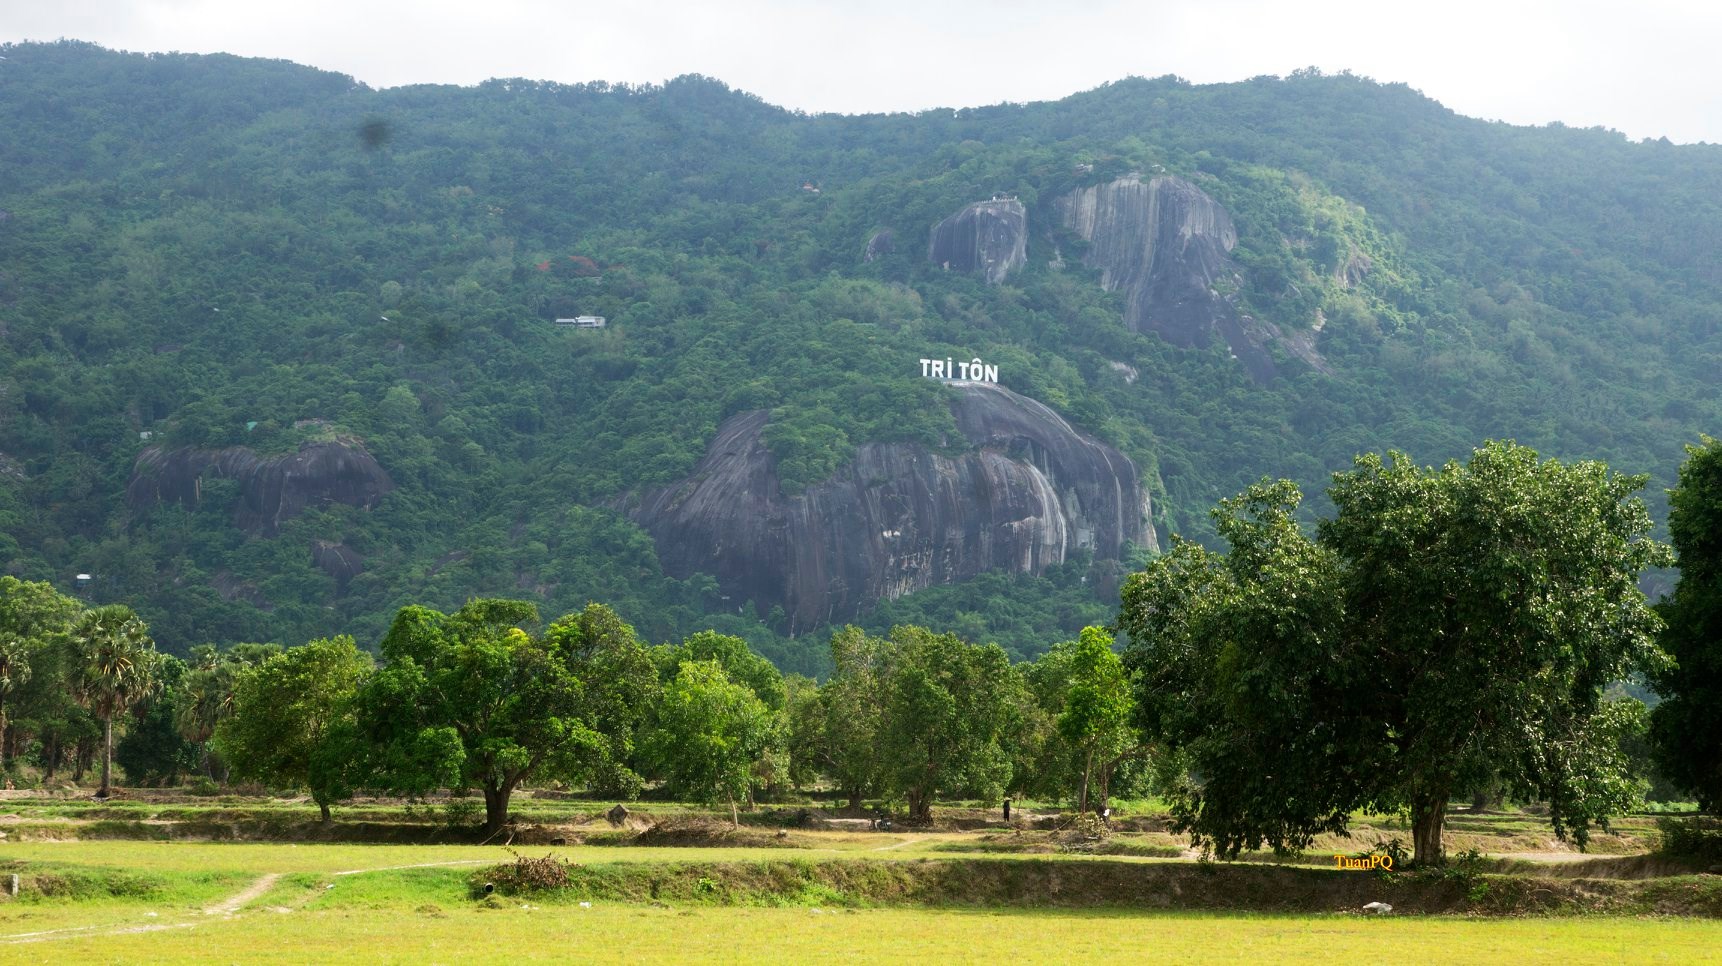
{"x": 1687, "y": 723}
{"x": 1444, "y": 622}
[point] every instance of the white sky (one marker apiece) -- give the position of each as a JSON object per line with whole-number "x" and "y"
{"x": 1648, "y": 68}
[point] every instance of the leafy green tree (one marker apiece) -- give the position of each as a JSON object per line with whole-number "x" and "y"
{"x": 152, "y": 751}
{"x": 740, "y": 663}
{"x": 470, "y": 699}
{"x": 947, "y": 709}
{"x": 1096, "y": 716}
{"x": 1445, "y": 623}
{"x": 710, "y": 733}
{"x": 1687, "y": 724}
{"x": 34, "y": 621}
{"x": 619, "y": 686}
{"x": 837, "y": 731}
{"x": 114, "y": 668}
{"x": 203, "y": 696}
{"x": 293, "y": 719}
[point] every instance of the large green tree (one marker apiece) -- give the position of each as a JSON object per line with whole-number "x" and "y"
{"x": 35, "y": 620}
{"x": 472, "y": 700}
{"x": 947, "y": 710}
{"x": 113, "y": 668}
{"x": 619, "y": 685}
{"x": 292, "y": 719}
{"x": 1687, "y": 724}
{"x": 1095, "y": 720}
{"x": 836, "y": 732}
{"x": 710, "y": 733}
{"x": 1445, "y": 624}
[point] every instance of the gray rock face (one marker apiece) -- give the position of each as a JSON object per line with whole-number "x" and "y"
{"x": 1165, "y": 244}
{"x": 899, "y": 517}
{"x": 338, "y": 561}
{"x": 272, "y": 490}
{"x": 990, "y": 237}
{"x": 883, "y": 243}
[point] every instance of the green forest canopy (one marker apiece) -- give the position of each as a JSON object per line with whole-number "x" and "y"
{"x": 221, "y": 251}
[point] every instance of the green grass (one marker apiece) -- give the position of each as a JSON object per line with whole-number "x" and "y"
{"x": 397, "y": 906}
{"x": 432, "y": 933}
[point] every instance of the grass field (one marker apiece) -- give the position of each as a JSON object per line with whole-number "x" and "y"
{"x": 215, "y": 902}
{"x": 961, "y": 896}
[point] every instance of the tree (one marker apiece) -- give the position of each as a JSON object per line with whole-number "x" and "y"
{"x": 113, "y": 669}
{"x": 34, "y": 620}
{"x": 710, "y": 733}
{"x": 837, "y": 730}
{"x": 1687, "y": 724}
{"x": 1096, "y": 716}
{"x": 740, "y": 664}
{"x": 947, "y": 707}
{"x": 619, "y": 686}
{"x": 293, "y": 719}
{"x": 204, "y": 695}
{"x": 1445, "y": 624}
{"x": 470, "y": 699}
{"x": 152, "y": 750}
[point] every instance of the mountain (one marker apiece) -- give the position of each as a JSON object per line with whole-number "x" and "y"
{"x": 280, "y": 353}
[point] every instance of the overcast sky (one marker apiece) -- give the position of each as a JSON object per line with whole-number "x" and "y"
{"x": 1649, "y": 68}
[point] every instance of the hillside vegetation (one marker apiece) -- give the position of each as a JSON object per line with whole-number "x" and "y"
{"x": 214, "y": 252}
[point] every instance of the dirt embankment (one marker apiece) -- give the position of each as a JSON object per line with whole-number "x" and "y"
{"x": 1026, "y": 883}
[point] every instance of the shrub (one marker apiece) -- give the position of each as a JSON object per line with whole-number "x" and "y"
{"x": 1698, "y": 837}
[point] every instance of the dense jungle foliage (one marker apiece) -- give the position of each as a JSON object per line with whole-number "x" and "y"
{"x": 227, "y": 252}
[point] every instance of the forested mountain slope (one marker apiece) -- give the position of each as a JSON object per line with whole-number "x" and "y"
{"x": 279, "y": 351}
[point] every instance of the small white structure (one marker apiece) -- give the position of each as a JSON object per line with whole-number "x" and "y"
{"x": 582, "y": 322}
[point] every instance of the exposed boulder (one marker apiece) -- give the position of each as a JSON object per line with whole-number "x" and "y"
{"x": 899, "y": 517}
{"x": 883, "y": 243}
{"x": 271, "y": 489}
{"x": 338, "y": 561}
{"x": 1167, "y": 246}
{"x": 990, "y": 237}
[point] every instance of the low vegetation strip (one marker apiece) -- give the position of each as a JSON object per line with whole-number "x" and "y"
{"x": 1028, "y": 883}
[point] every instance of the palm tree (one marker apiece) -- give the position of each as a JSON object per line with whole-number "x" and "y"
{"x": 114, "y": 668}
{"x": 15, "y": 657}
{"x": 206, "y": 698}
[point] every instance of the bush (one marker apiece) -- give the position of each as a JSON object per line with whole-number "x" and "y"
{"x": 1698, "y": 837}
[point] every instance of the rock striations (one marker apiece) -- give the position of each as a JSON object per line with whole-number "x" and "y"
{"x": 990, "y": 237}
{"x": 898, "y": 518}
{"x": 271, "y": 489}
{"x": 1167, "y": 246}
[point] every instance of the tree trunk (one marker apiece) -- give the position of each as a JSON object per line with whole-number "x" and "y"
{"x": 323, "y": 807}
{"x": 920, "y": 807}
{"x": 50, "y": 757}
{"x": 107, "y": 755}
{"x": 1428, "y": 813}
{"x": 734, "y": 816}
{"x": 855, "y": 796}
{"x": 5, "y": 738}
{"x": 1087, "y": 770}
{"x": 496, "y": 807}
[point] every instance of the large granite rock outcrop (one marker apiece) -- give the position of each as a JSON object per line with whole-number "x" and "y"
{"x": 272, "y": 489}
{"x": 899, "y": 517}
{"x": 990, "y": 237}
{"x": 1167, "y": 246}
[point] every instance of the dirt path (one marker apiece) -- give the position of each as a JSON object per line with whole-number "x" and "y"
{"x": 226, "y": 908}
{"x": 240, "y": 899}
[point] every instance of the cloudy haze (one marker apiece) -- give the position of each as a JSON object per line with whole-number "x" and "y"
{"x": 1648, "y": 69}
